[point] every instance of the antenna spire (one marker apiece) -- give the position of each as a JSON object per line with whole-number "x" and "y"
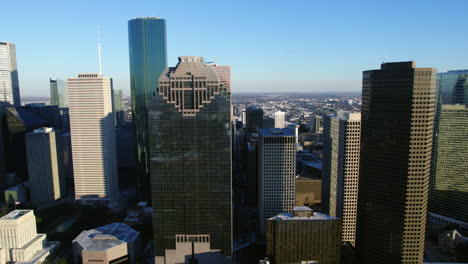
{"x": 99, "y": 48}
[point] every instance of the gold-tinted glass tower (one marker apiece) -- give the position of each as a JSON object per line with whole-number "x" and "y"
{"x": 397, "y": 124}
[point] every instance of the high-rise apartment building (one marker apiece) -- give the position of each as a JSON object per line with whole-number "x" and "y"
{"x": 9, "y": 84}
{"x": 303, "y": 236}
{"x": 44, "y": 150}
{"x": 93, "y": 138}
{"x": 254, "y": 119}
{"x": 190, "y": 147}
{"x": 58, "y": 93}
{"x": 148, "y": 60}
{"x": 398, "y": 104}
{"x": 448, "y": 191}
{"x": 277, "y": 173}
{"x": 279, "y": 119}
{"x": 341, "y": 141}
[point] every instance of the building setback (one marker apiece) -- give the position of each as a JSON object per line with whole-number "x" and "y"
{"x": 396, "y": 139}
{"x": 44, "y": 151}
{"x": 93, "y": 138}
{"x": 341, "y": 140}
{"x": 448, "y": 191}
{"x": 303, "y": 235}
{"x": 19, "y": 240}
{"x": 190, "y": 147}
{"x": 9, "y": 84}
{"x": 277, "y": 173}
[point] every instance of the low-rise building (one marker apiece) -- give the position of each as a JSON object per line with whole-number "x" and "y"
{"x": 17, "y": 193}
{"x": 303, "y": 236}
{"x": 113, "y": 243}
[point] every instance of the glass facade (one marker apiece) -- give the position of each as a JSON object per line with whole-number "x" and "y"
{"x": 148, "y": 59}
{"x": 190, "y": 164}
{"x": 58, "y": 93}
{"x": 119, "y": 114}
{"x": 448, "y": 186}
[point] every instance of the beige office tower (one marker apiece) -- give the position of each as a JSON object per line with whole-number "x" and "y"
{"x": 398, "y": 104}
{"x": 44, "y": 151}
{"x": 277, "y": 173}
{"x": 341, "y": 140}
{"x": 93, "y": 138}
{"x": 279, "y": 119}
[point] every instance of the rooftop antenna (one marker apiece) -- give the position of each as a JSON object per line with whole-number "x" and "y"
{"x": 99, "y": 49}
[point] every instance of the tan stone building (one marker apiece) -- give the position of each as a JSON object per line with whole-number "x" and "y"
{"x": 308, "y": 190}
{"x": 19, "y": 240}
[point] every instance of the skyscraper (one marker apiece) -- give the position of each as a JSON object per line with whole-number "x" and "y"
{"x": 277, "y": 173}
{"x": 279, "y": 119}
{"x": 93, "y": 138}
{"x": 254, "y": 119}
{"x": 119, "y": 113}
{"x": 9, "y": 84}
{"x": 317, "y": 124}
{"x": 58, "y": 93}
{"x": 45, "y": 165}
{"x": 19, "y": 121}
{"x": 341, "y": 141}
{"x": 398, "y": 103}
{"x": 148, "y": 59}
{"x": 448, "y": 191}
{"x": 190, "y": 147}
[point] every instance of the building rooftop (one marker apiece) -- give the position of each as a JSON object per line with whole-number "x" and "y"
{"x": 15, "y": 214}
{"x": 351, "y": 116}
{"x": 291, "y": 217}
{"x": 106, "y": 237}
{"x": 90, "y": 75}
{"x": 19, "y": 186}
{"x": 454, "y": 72}
{"x": 43, "y": 130}
{"x": 398, "y": 65}
{"x": 276, "y": 132}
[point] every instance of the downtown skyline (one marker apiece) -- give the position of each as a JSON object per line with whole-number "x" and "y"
{"x": 274, "y": 47}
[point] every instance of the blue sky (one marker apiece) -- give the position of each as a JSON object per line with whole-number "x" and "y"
{"x": 272, "y": 46}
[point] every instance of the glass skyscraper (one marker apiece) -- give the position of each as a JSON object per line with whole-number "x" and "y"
{"x": 58, "y": 93}
{"x": 190, "y": 161}
{"x": 448, "y": 193}
{"x": 148, "y": 59}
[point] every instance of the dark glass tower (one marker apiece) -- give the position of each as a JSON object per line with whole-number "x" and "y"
{"x": 398, "y": 104}
{"x": 148, "y": 59}
{"x": 190, "y": 157}
{"x": 448, "y": 193}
